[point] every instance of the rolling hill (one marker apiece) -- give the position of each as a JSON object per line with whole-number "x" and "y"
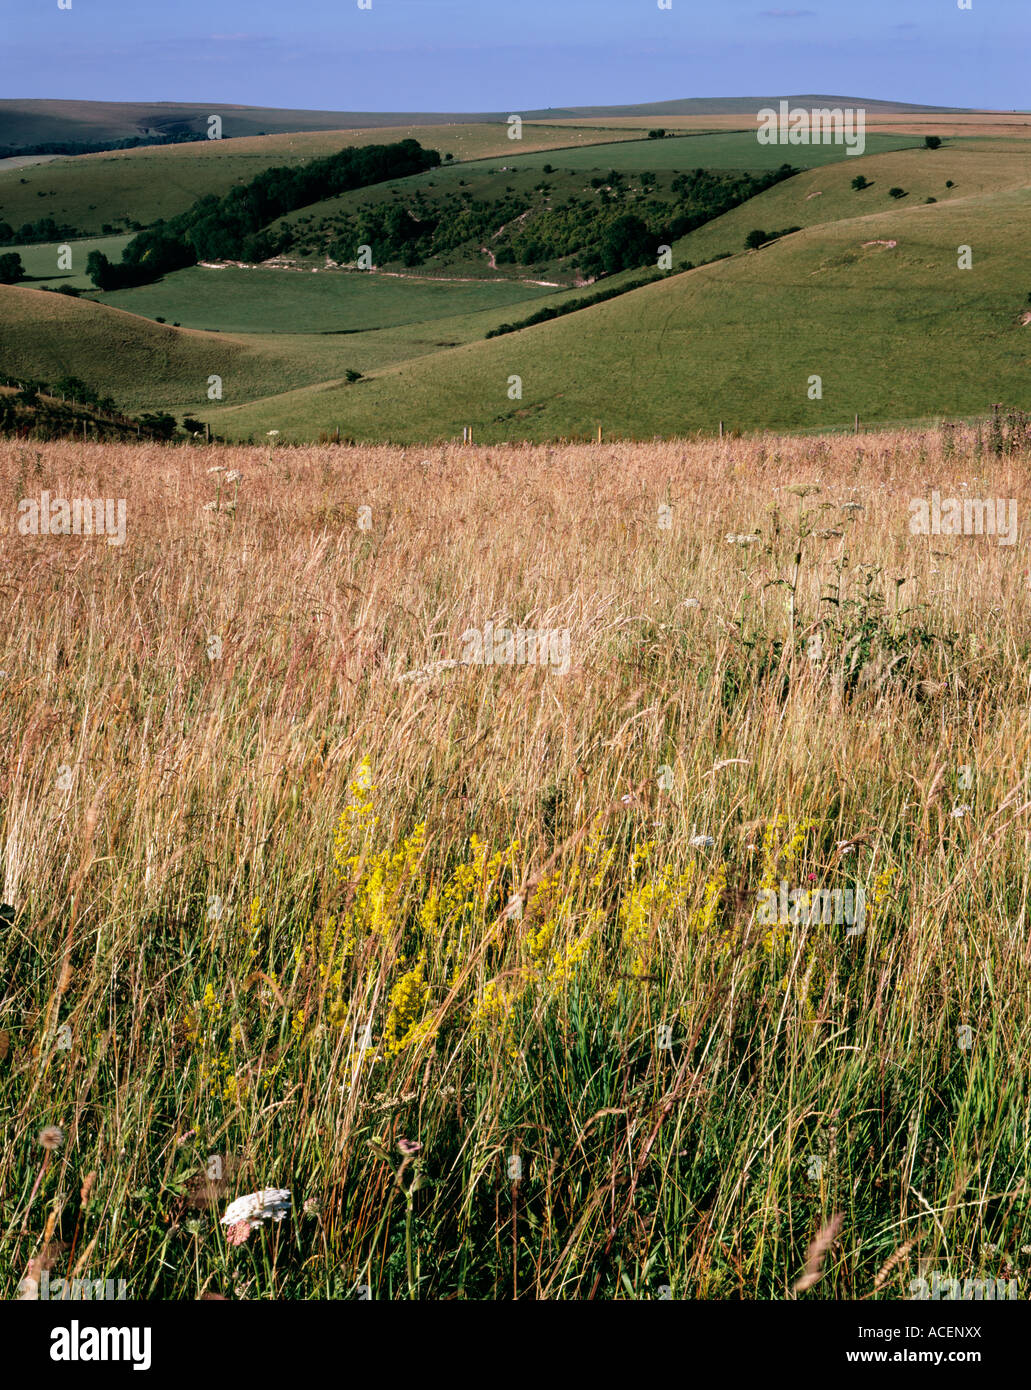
{"x": 875, "y": 305}
{"x": 30, "y": 122}
{"x": 140, "y": 185}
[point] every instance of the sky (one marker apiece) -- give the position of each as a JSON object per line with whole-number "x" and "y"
{"x": 490, "y": 55}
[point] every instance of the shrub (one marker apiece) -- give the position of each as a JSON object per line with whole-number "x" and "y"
{"x": 897, "y": 192}
{"x": 860, "y": 182}
{"x": 932, "y": 142}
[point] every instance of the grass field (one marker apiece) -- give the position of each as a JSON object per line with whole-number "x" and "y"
{"x": 469, "y": 957}
{"x": 827, "y": 195}
{"x": 147, "y": 366}
{"x": 161, "y": 180}
{"x": 895, "y": 333}
{"x": 285, "y": 301}
{"x": 41, "y": 260}
{"x": 737, "y": 150}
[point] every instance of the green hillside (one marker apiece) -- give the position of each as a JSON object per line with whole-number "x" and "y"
{"x": 146, "y": 365}
{"x": 895, "y": 333}
{"x": 41, "y": 260}
{"x": 827, "y": 195}
{"x": 141, "y": 185}
{"x": 285, "y": 301}
{"x": 732, "y": 149}
{"x": 142, "y": 365}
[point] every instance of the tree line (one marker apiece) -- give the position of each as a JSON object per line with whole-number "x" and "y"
{"x": 233, "y": 226}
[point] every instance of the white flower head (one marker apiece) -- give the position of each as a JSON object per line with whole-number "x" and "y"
{"x": 271, "y": 434}
{"x": 217, "y": 469}
{"x": 270, "y": 1204}
{"x": 958, "y": 812}
{"x": 701, "y": 842}
{"x": 234, "y": 476}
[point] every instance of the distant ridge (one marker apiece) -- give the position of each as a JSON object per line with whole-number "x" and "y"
{"x": 32, "y": 122}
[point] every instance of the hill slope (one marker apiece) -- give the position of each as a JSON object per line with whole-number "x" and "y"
{"x": 25, "y": 122}
{"x": 895, "y": 332}
{"x": 143, "y": 365}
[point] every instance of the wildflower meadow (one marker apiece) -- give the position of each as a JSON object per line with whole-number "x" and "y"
{"x": 337, "y": 965}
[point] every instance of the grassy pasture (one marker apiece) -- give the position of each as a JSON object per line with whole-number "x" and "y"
{"x": 288, "y": 301}
{"x": 40, "y": 260}
{"x": 826, "y": 195}
{"x": 289, "y": 909}
{"x": 738, "y": 150}
{"x": 149, "y": 182}
{"x": 896, "y": 334}
{"x": 1009, "y": 124}
{"x": 145, "y": 365}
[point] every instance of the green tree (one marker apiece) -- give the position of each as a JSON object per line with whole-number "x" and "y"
{"x": 627, "y": 242}
{"x": 11, "y": 268}
{"x": 932, "y": 142}
{"x": 755, "y": 239}
{"x": 98, "y": 268}
{"x": 860, "y": 182}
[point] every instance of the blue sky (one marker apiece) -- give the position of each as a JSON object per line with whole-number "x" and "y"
{"x": 472, "y": 55}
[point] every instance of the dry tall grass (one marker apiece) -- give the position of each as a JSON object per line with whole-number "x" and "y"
{"x": 437, "y": 954}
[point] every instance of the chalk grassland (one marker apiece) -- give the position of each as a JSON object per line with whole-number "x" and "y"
{"x": 1010, "y": 124}
{"x": 146, "y": 365}
{"x": 41, "y": 259}
{"x": 972, "y": 166}
{"x": 919, "y": 336}
{"x": 737, "y": 150}
{"x": 149, "y": 182}
{"x": 283, "y": 301}
{"x": 259, "y": 884}
{"x": 895, "y": 333}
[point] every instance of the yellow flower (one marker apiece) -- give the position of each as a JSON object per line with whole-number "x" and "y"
{"x": 407, "y": 1004}
{"x": 703, "y": 919}
{"x": 495, "y": 1012}
{"x": 565, "y": 963}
